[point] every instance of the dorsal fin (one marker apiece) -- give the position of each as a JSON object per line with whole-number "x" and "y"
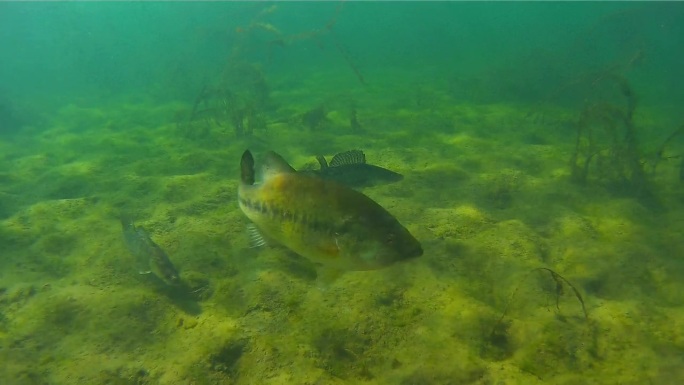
{"x": 247, "y": 168}
{"x": 274, "y": 164}
{"x": 321, "y": 160}
{"x": 348, "y": 157}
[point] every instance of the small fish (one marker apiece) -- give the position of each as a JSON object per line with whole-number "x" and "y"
{"x": 322, "y": 220}
{"x": 149, "y": 256}
{"x": 350, "y": 168}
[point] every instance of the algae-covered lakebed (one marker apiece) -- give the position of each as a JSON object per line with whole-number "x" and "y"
{"x": 546, "y": 194}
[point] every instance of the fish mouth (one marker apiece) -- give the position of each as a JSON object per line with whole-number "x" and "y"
{"x": 408, "y": 251}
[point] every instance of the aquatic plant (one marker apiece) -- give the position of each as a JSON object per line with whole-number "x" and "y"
{"x": 497, "y": 344}
{"x": 239, "y": 96}
{"x": 276, "y": 39}
{"x": 315, "y": 119}
{"x": 559, "y": 281}
{"x": 607, "y": 148}
{"x": 354, "y": 120}
{"x": 660, "y": 154}
{"x": 238, "y": 99}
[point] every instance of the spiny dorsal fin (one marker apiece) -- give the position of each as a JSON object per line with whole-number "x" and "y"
{"x": 348, "y": 157}
{"x": 275, "y": 164}
{"x": 321, "y": 160}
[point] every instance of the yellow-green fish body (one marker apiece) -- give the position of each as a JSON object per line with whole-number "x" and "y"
{"x": 322, "y": 220}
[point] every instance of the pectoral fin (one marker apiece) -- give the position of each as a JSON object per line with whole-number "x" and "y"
{"x": 255, "y": 237}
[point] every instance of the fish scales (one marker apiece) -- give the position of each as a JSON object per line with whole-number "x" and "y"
{"x": 296, "y": 210}
{"x": 322, "y": 220}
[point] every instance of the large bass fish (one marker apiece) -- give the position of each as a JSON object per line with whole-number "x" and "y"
{"x": 322, "y": 220}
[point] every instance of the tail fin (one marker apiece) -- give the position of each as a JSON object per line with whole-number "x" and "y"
{"x": 126, "y": 222}
{"x": 247, "y": 168}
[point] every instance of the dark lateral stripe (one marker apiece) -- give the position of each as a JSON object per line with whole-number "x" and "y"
{"x": 284, "y": 215}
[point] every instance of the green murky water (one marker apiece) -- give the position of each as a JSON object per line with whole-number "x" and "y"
{"x": 530, "y": 135}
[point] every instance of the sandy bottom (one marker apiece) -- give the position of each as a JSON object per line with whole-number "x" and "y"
{"x": 486, "y": 191}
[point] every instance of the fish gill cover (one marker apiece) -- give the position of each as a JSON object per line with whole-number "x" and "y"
{"x": 542, "y": 154}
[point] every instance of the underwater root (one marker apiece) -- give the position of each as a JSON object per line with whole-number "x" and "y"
{"x": 558, "y": 279}
{"x": 660, "y": 153}
{"x": 498, "y": 346}
{"x": 607, "y": 145}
